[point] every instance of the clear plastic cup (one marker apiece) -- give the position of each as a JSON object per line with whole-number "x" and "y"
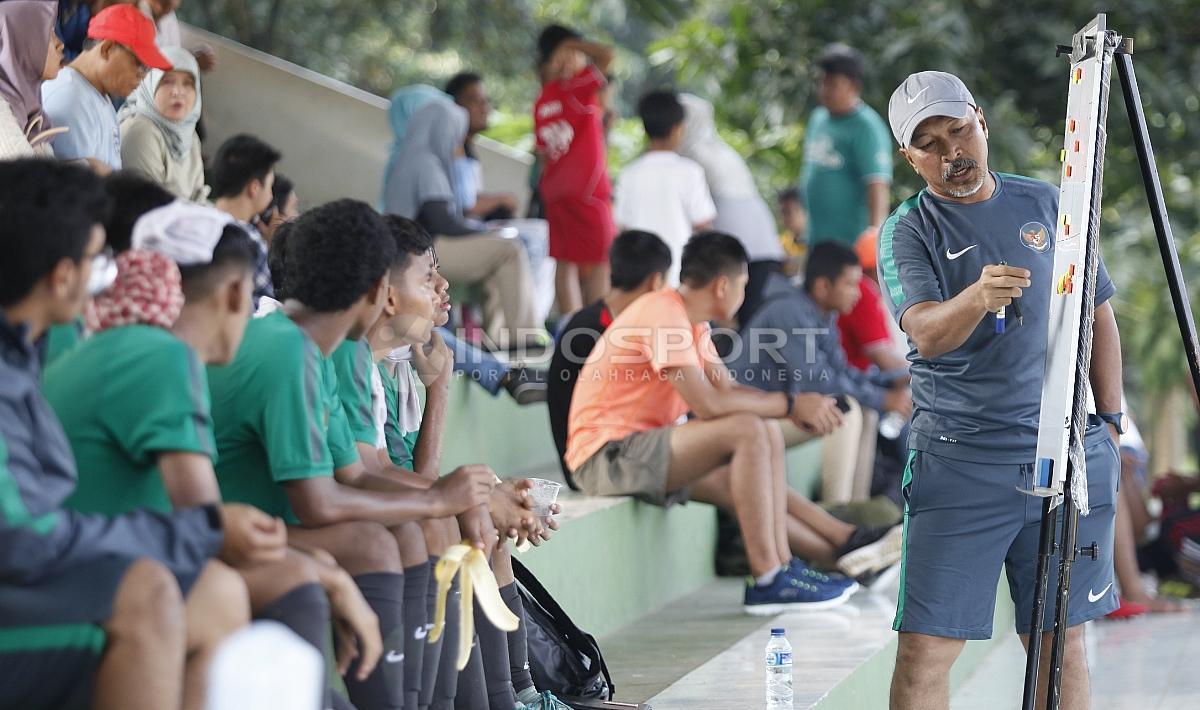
{"x": 543, "y": 493}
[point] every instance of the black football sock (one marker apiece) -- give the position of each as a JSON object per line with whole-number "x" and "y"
{"x": 305, "y": 610}
{"x": 518, "y": 641}
{"x": 384, "y": 688}
{"x": 416, "y": 631}
{"x": 472, "y": 684}
{"x": 446, "y": 687}
{"x": 497, "y": 673}
{"x": 432, "y": 652}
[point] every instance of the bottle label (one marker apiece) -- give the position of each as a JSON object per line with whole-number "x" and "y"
{"x": 779, "y": 658}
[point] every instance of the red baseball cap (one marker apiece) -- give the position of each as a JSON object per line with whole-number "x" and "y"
{"x": 126, "y": 25}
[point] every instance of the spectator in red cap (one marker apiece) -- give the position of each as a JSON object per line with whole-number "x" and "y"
{"x": 120, "y": 50}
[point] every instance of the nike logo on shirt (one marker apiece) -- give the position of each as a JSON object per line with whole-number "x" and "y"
{"x": 421, "y": 632}
{"x": 952, "y": 256}
{"x": 394, "y": 656}
{"x": 1093, "y": 598}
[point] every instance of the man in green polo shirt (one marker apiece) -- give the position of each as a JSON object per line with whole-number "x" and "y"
{"x": 847, "y": 154}
{"x": 134, "y": 402}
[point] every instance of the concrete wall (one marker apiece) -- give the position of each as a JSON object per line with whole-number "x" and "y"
{"x": 334, "y": 137}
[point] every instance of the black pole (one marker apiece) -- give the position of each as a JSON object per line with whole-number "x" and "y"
{"x": 1066, "y": 560}
{"x": 1045, "y": 552}
{"x": 1158, "y": 212}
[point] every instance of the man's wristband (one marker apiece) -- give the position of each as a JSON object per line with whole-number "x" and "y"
{"x": 1117, "y": 419}
{"x": 212, "y": 512}
{"x": 791, "y": 404}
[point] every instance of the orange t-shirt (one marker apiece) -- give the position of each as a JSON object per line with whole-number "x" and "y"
{"x": 624, "y": 387}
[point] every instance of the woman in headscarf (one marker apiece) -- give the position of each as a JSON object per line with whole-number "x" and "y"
{"x": 420, "y": 186}
{"x": 158, "y": 127}
{"x": 406, "y": 102}
{"x": 30, "y": 53}
{"x": 741, "y": 211}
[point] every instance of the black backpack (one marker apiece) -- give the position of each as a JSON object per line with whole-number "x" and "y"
{"x": 563, "y": 658}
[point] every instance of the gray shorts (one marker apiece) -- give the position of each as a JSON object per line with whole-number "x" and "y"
{"x": 964, "y": 520}
{"x": 52, "y": 635}
{"x": 634, "y": 466}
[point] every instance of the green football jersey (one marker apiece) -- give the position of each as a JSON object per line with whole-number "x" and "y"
{"x": 352, "y": 364}
{"x": 124, "y": 397}
{"x": 272, "y": 411}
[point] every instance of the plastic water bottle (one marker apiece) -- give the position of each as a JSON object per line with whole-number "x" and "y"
{"x": 892, "y": 425}
{"x": 779, "y": 671}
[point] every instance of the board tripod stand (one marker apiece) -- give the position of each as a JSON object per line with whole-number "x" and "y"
{"x": 1093, "y": 51}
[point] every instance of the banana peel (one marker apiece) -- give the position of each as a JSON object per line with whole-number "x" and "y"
{"x": 477, "y": 580}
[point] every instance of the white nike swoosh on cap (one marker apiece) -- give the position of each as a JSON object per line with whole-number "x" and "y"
{"x": 1093, "y": 598}
{"x": 914, "y": 96}
{"x": 394, "y": 656}
{"x": 952, "y": 256}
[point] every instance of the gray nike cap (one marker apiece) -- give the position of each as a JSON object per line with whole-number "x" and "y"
{"x": 924, "y": 95}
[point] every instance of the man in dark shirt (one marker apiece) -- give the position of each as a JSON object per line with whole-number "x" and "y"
{"x": 640, "y": 262}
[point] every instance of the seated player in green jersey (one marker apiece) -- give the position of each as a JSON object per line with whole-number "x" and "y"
{"x": 281, "y": 433}
{"x": 134, "y": 402}
{"x": 411, "y": 310}
{"x": 357, "y": 425}
{"x": 414, "y": 436}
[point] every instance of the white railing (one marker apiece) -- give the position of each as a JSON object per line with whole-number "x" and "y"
{"x": 334, "y": 137}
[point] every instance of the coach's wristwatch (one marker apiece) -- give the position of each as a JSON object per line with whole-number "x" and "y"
{"x": 1117, "y": 419}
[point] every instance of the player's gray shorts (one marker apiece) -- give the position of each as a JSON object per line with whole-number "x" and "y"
{"x": 963, "y": 520}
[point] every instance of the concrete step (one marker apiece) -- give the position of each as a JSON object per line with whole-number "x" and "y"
{"x": 702, "y": 653}
{"x": 613, "y": 559}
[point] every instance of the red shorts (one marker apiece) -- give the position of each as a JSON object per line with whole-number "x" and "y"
{"x": 581, "y": 229}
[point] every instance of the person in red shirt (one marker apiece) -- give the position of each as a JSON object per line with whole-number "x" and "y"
{"x": 864, "y": 329}
{"x": 866, "y": 337}
{"x": 575, "y": 189}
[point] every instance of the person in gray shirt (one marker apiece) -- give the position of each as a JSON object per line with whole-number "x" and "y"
{"x": 951, "y": 257}
{"x": 792, "y": 344}
{"x": 809, "y": 357}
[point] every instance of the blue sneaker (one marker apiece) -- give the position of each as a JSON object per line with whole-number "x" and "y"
{"x": 791, "y": 592}
{"x": 802, "y": 570}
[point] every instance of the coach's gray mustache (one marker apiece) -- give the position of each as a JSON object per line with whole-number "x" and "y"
{"x": 956, "y": 165}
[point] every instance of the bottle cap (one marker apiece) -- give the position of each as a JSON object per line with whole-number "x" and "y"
{"x": 777, "y": 632}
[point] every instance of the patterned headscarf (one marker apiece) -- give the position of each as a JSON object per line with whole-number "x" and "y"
{"x": 148, "y": 291}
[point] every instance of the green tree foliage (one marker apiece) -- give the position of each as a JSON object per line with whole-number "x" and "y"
{"x": 755, "y": 61}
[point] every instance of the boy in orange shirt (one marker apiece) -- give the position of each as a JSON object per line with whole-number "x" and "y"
{"x": 655, "y": 363}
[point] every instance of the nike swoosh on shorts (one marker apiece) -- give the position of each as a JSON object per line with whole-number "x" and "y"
{"x": 1093, "y": 598}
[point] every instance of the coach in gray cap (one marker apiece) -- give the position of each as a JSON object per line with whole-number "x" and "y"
{"x": 950, "y": 257}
